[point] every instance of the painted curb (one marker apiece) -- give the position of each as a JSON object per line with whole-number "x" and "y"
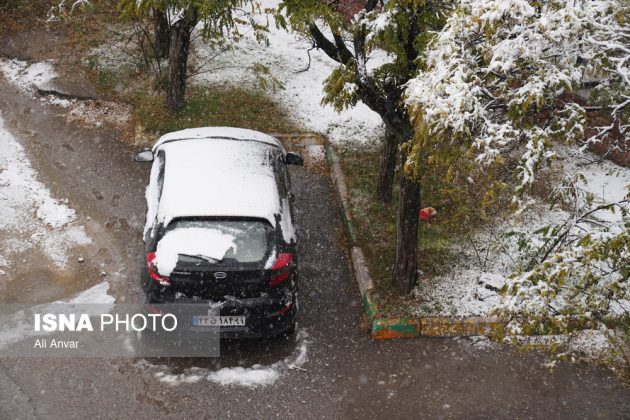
{"x": 445, "y": 326}
{"x": 388, "y": 328}
{"x": 393, "y": 327}
{"x": 359, "y": 266}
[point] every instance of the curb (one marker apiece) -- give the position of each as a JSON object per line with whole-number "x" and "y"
{"x": 339, "y": 181}
{"x": 382, "y": 328}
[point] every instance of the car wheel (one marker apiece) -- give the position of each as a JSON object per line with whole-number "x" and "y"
{"x": 291, "y": 330}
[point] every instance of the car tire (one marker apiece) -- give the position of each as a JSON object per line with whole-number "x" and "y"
{"x": 291, "y": 330}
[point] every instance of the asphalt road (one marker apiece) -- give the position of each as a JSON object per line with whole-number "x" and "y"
{"x": 345, "y": 374}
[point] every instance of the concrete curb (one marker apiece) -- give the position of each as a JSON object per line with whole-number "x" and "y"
{"x": 393, "y": 327}
{"x": 339, "y": 181}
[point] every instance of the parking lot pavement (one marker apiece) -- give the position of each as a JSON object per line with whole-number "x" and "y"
{"x": 331, "y": 369}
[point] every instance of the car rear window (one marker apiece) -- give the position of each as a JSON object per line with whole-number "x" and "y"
{"x": 251, "y": 237}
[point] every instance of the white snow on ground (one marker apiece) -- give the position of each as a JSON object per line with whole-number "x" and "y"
{"x": 589, "y": 344}
{"x": 41, "y": 75}
{"x": 29, "y": 216}
{"x": 98, "y": 294}
{"x": 16, "y": 327}
{"x": 95, "y": 113}
{"x": 586, "y": 345}
{"x": 607, "y": 181}
{"x": 316, "y": 152}
{"x": 28, "y": 77}
{"x": 470, "y": 286}
{"x": 301, "y": 92}
{"x": 252, "y": 377}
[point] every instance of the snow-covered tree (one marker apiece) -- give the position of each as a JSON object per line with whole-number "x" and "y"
{"x": 377, "y": 45}
{"x": 509, "y": 82}
{"x": 174, "y": 22}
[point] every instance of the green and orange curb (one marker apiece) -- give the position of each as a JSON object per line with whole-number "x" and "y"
{"x": 384, "y": 328}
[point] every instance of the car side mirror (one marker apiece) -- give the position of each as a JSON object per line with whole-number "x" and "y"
{"x": 293, "y": 159}
{"x": 144, "y": 156}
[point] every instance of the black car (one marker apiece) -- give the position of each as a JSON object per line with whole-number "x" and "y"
{"x": 220, "y": 230}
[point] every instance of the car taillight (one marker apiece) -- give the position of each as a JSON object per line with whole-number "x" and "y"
{"x": 153, "y": 271}
{"x": 282, "y": 311}
{"x": 281, "y": 269}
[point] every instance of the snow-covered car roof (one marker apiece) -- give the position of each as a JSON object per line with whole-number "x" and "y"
{"x": 218, "y": 132}
{"x": 218, "y": 177}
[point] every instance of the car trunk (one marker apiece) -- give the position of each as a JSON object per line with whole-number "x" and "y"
{"x": 238, "y": 270}
{"x": 216, "y": 281}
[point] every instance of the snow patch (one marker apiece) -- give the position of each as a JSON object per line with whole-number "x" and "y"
{"x": 590, "y": 345}
{"x": 316, "y": 152}
{"x": 470, "y": 287}
{"x": 96, "y": 113}
{"x": 252, "y": 377}
{"x": 16, "y": 327}
{"x": 98, "y": 294}
{"x": 64, "y": 103}
{"x": 28, "y": 77}
{"x": 28, "y": 210}
{"x": 41, "y": 75}
{"x": 301, "y": 92}
{"x": 605, "y": 180}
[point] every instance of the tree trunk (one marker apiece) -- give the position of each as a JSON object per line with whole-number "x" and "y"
{"x": 407, "y": 234}
{"x": 162, "y": 34}
{"x": 178, "y": 60}
{"x": 387, "y": 166}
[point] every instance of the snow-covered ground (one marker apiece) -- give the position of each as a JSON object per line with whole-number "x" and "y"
{"x": 470, "y": 286}
{"x": 27, "y": 77}
{"x": 301, "y": 91}
{"x": 287, "y": 58}
{"x": 30, "y": 217}
{"x": 18, "y": 326}
{"x": 31, "y": 77}
{"x": 586, "y": 345}
{"x": 251, "y": 377}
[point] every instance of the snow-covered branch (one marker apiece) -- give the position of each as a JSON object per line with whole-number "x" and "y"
{"x": 506, "y": 72}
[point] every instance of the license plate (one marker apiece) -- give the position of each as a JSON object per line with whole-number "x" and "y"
{"x": 218, "y": 321}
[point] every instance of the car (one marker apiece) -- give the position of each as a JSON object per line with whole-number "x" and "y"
{"x": 220, "y": 228}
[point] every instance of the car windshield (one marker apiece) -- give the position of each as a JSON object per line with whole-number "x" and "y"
{"x": 249, "y": 237}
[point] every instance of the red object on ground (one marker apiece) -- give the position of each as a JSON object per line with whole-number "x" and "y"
{"x": 427, "y": 213}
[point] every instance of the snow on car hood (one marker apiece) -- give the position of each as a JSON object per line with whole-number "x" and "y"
{"x": 208, "y": 243}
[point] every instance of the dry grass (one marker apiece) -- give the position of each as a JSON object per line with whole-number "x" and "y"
{"x": 19, "y": 15}
{"x": 214, "y": 106}
{"x": 375, "y": 226}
